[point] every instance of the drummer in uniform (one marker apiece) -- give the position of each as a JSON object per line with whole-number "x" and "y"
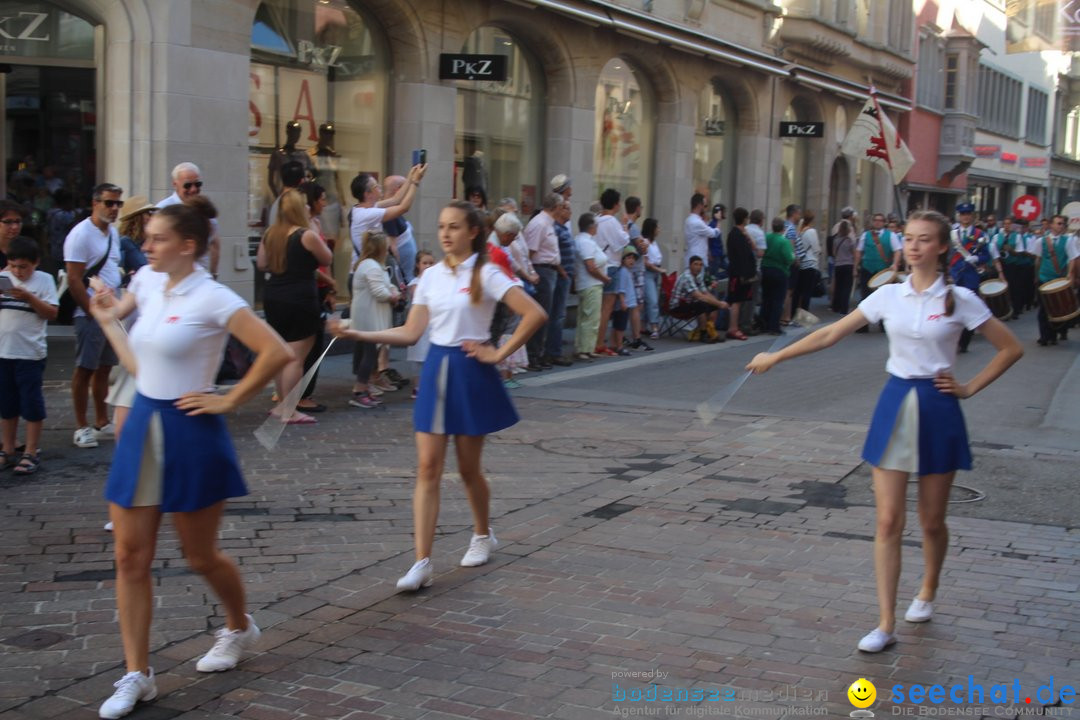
{"x": 1056, "y": 256}
{"x": 877, "y": 250}
{"x": 1009, "y": 251}
{"x": 969, "y": 257}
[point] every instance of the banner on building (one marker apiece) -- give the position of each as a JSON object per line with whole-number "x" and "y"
{"x": 1040, "y": 25}
{"x": 873, "y": 137}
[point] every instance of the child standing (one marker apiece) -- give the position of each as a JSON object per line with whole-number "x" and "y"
{"x": 626, "y": 301}
{"x": 418, "y": 352}
{"x": 27, "y": 302}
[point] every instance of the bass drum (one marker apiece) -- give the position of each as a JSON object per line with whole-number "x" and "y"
{"x": 995, "y": 293}
{"x": 1059, "y": 299}
{"x": 881, "y": 279}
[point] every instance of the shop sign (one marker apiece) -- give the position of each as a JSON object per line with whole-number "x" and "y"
{"x": 308, "y": 53}
{"x": 1009, "y": 158}
{"x": 37, "y": 30}
{"x": 802, "y": 129}
{"x": 461, "y": 66}
{"x": 1033, "y": 162}
{"x": 987, "y": 151}
{"x": 714, "y": 127}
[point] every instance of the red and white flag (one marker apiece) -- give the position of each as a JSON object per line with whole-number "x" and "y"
{"x": 873, "y": 137}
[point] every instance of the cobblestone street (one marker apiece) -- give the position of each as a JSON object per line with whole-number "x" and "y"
{"x": 637, "y": 546}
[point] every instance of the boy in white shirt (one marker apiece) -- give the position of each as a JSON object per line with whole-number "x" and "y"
{"x": 27, "y": 302}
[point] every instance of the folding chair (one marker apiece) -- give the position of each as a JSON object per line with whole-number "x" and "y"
{"x": 673, "y": 321}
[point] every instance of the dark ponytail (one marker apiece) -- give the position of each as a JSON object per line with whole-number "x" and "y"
{"x": 191, "y": 221}
{"x": 945, "y": 239}
{"x": 475, "y": 221}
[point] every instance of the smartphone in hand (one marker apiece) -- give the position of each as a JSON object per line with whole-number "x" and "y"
{"x": 6, "y": 284}
{"x": 419, "y": 157}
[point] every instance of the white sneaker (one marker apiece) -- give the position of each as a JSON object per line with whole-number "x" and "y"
{"x": 876, "y": 640}
{"x": 419, "y": 575}
{"x": 130, "y": 689}
{"x": 919, "y": 611}
{"x": 86, "y": 437}
{"x": 106, "y": 432}
{"x": 229, "y": 647}
{"x": 109, "y": 526}
{"x": 480, "y": 549}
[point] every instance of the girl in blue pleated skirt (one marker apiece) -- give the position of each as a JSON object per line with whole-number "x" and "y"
{"x": 175, "y": 454}
{"x": 461, "y": 393}
{"x": 917, "y": 427}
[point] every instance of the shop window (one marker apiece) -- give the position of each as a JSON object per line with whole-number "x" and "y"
{"x": 794, "y": 163}
{"x": 625, "y": 117}
{"x": 714, "y": 158}
{"x": 48, "y": 126}
{"x": 499, "y": 126}
{"x": 315, "y": 63}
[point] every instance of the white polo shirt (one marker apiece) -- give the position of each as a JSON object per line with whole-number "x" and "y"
{"x": 181, "y": 333}
{"x": 22, "y": 330}
{"x": 452, "y": 316}
{"x": 922, "y": 339}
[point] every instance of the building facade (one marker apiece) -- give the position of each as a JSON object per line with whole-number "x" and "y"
{"x": 657, "y": 99}
{"x": 997, "y": 121}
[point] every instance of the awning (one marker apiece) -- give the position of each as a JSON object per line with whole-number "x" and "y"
{"x": 655, "y": 29}
{"x": 922, "y": 187}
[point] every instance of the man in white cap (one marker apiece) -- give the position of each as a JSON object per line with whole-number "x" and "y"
{"x": 187, "y": 183}
{"x": 560, "y": 184}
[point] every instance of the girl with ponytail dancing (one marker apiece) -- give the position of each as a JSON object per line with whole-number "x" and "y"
{"x": 918, "y": 426}
{"x": 461, "y": 393}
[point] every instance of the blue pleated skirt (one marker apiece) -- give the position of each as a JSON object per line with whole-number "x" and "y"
{"x": 917, "y": 428}
{"x": 461, "y": 396}
{"x": 194, "y": 467}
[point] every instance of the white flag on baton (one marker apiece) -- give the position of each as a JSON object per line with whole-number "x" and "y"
{"x": 873, "y": 137}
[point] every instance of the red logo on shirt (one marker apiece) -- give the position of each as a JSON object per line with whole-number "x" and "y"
{"x": 172, "y": 319}
{"x": 938, "y": 316}
{"x": 465, "y": 290}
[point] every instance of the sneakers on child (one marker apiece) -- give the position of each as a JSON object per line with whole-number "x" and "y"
{"x": 876, "y": 640}
{"x": 229, "y": 648}
{"x": 480, "y": 549}
{"x": 419, "y": 575}
{"x": 86, "y": 437}
{"x": 106, "y": 431}
{"x": 919, "y": 611}
{"x": 135, "y": 687}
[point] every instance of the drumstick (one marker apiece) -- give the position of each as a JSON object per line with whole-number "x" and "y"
{"x": 712, "y": 407}
{"x": 270, "y": 431}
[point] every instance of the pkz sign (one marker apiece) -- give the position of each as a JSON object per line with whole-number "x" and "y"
{"x": 802, "y": 129}
{"x": 472, "y": 67}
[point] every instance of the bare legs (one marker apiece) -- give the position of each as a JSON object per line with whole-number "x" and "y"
{"x": 135, "y": 531}
{"x": 290, "y": 375}
{"x": 96, "y": 383}
{"x": 890, "y": 488}
{"x": 431, "y": 453}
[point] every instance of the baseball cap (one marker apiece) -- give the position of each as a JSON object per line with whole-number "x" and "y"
{"x": 630, "y": 250}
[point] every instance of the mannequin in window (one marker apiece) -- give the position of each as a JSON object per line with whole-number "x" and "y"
{"x": 285, "y": 153}
{"x": 326, "y": 162}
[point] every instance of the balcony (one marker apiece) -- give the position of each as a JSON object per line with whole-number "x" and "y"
{"x": 956, "y": 151}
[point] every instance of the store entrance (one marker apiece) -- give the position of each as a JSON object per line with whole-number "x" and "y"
{"x": 48, "y": 149}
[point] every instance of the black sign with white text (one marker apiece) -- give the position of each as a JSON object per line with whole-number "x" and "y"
{"x": 472, "y": 67}
{"x": 802, "y": 129}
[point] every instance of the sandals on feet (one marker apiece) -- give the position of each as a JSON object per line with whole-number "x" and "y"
{"x": 5, "y": 460}
{"x": 28, "y": 464}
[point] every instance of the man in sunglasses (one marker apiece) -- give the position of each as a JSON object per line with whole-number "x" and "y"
{"x": 92, "y": 249}
{"x": 187, "y": 183}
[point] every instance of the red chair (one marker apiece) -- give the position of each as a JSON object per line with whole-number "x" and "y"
{"x": 673, "y": 321}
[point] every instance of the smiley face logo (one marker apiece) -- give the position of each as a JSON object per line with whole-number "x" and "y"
{"x": 862, "y": 693}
